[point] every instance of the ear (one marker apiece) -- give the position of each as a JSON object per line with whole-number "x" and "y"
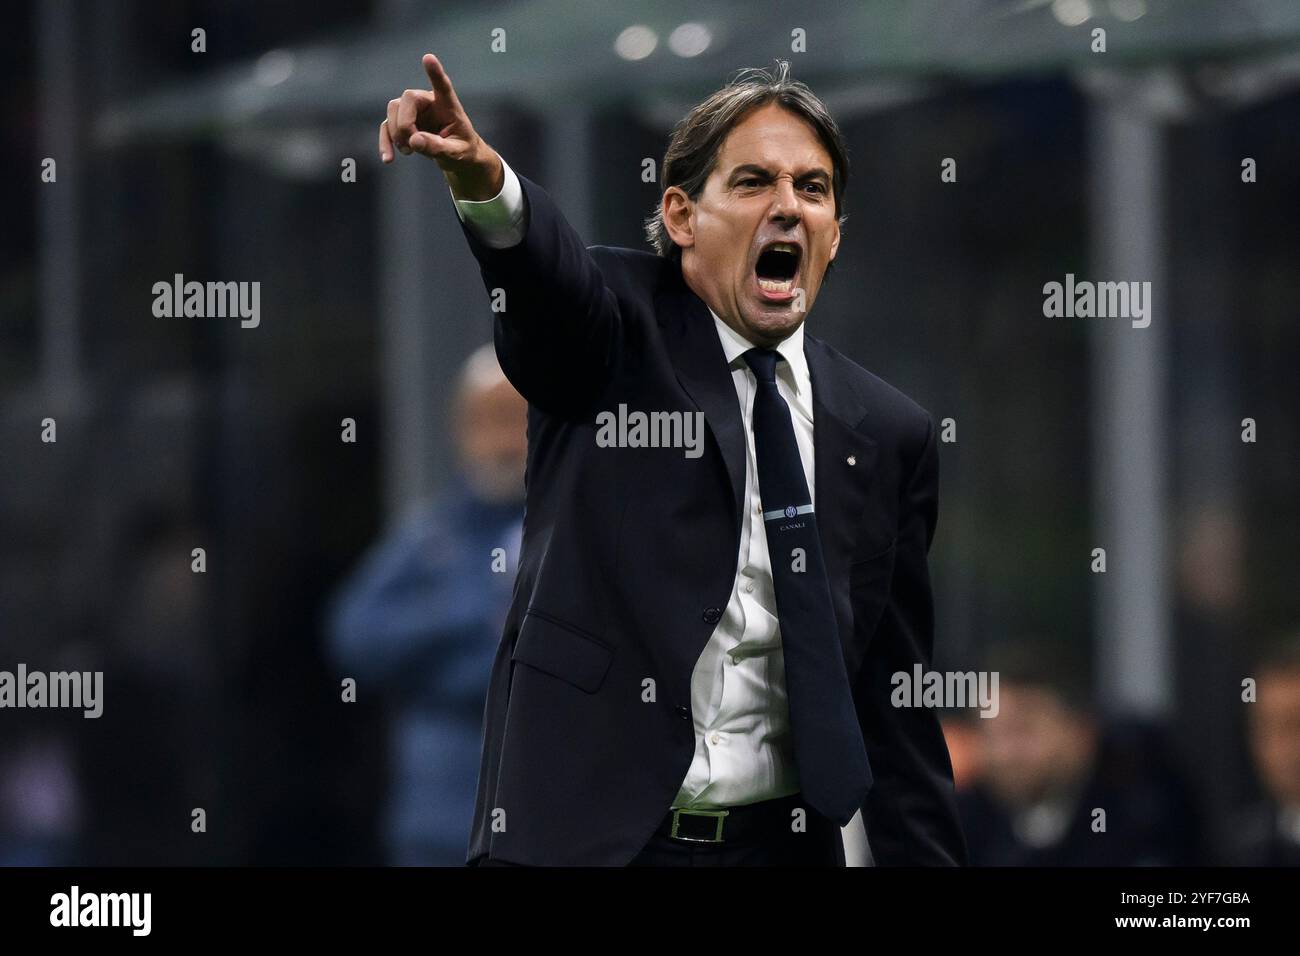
{"x": 679, "y": 216}
{"x": 835, "y": 243}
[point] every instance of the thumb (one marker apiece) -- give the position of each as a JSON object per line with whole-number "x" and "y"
{"x": 430, "y": 144}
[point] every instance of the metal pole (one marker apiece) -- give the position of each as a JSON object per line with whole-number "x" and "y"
{"x": 60, "y": 262}
{"x": 1129, "y": 429}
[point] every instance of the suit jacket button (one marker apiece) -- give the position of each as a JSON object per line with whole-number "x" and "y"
{"x": 684, "y": 712}
{"x": 712, "y": 615}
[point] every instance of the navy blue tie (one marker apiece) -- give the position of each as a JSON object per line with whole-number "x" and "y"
{"x": 831, "y": 757}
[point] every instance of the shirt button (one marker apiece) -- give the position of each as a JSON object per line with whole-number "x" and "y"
{"x": 712, "y": 615}
{"x": 750, "y": 587}
{"x": 715, "y": 738}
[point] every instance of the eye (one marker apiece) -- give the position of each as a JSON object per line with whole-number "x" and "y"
{"x": 748, "y": 180}
{"x": 816, "y": 186}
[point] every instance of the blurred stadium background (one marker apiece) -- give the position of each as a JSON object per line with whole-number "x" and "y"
{"x": 222, "y": 689}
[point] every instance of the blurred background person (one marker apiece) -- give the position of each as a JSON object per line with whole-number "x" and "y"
{"x": 1047, "y": 763}
{"x": 420, "y": 620}
{"x": 1268, "y": 832}
{"x": 151, "y": 759}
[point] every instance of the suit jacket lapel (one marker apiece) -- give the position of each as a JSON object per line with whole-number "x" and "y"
{"x": 844, "y": 457}
{"x": 701, "y": 368}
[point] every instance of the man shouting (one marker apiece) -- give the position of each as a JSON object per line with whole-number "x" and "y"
{"x": 696, "y": 665}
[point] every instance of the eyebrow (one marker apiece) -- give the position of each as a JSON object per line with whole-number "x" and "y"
{"x": 753, "y": 169}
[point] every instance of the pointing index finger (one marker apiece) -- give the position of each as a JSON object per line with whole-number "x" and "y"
{"x": 440, "y": 82}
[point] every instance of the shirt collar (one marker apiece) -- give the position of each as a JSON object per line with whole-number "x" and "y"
{"x": 791, "y": 348}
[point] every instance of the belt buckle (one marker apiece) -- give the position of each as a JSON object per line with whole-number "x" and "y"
{"x": 719, "y": 814}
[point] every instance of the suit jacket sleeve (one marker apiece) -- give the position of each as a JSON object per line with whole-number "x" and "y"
{"x": 910, "y": 813}
{"x": 557, "y": 326}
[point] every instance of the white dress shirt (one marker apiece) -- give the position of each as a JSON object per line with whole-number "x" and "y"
{"x": 743, "y": 749}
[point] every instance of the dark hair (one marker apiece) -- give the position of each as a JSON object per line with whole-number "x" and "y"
{"x": 1281, "y": 654}
{"x": 1043, "y": 663}
{"x": 696, "y": 140}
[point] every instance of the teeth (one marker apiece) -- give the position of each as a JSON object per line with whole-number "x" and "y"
{"x": 779, "y": 286}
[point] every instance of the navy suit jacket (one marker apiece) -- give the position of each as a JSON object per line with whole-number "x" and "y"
{"x": 629, "y": 557}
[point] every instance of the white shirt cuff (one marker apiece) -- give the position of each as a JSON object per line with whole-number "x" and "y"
{"x": 497, "y": 222}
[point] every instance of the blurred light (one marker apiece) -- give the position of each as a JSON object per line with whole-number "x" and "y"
{"x": 306, "y": 153}
{"x": 1072, "y": 12}
{"x": 1128, "y": 10}
{"x": 273, "y": 68}
{"x": 636, "y": 43}
{"x": 690, "y": 39}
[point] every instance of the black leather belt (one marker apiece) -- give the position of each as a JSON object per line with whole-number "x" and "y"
{"x": 731, "y": 824}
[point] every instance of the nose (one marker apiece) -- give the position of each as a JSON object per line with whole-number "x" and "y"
{"x": 785, "y": 205}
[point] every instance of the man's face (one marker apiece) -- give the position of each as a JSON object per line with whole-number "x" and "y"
{"x": 770, "y": 185}
{"x": 1034, "y": 745}
{"x": 1275, "y": 734}
{"x": 492, "y": 440}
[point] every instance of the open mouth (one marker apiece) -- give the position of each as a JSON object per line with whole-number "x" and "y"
{"x": 777, "y": 269}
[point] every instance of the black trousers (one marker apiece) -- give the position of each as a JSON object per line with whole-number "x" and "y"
{"x": 819, "y": 844}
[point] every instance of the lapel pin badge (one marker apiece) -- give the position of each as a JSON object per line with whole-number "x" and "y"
{"x": 852, "y": 459}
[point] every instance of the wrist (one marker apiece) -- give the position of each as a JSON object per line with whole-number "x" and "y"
{"x": 479, "y": 182}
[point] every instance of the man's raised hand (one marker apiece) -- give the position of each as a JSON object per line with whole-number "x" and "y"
{"x": 433, "y": 122}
